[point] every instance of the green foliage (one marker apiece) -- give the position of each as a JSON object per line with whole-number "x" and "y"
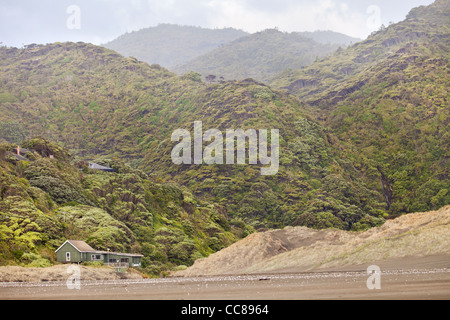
{"x": 126, "y": 212}
{"x": 260, "y": 56}
{"x": 19, "y": 234}
{"x": 35, "y": 261}
{"x": 61, "y": 185}
{"x": 57, "y": 189}
{"x": 433, "y": 194}
{"x": 368, "y": 142}
{"x": 46, "y": 148}
{"x": 12, "y": 132}
{"x": 262, "y": 92}
{"x": 193, "y": 76}
{"x": 386, "y": 100}
{"x": 330, "y": 213}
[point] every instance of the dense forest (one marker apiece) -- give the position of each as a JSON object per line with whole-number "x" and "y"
{"x": 260, "y": 56}
{"x": 387, "y": 99}
{"x": 45, "y": 201}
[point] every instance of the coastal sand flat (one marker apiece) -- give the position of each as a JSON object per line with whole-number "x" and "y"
{"x": 412, "y": 284}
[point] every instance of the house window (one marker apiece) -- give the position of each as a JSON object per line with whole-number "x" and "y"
{"x": 67, "y": 256}
{"x": 96, "y": 257}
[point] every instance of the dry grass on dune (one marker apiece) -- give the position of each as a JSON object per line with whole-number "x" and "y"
{"x": 300, "y": 249}
{"x": 60, "y": 273}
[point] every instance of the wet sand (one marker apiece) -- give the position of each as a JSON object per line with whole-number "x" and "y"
{"x": 395, "y": 285}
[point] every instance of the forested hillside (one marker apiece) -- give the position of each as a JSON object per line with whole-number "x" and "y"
{"x": 44, "y": 201}
{"x": 363, "y": 138}
{"x": 387, "y": 99}
{"x": 228, "y": 54}
{"x": 97, "y": 103}
{"x": 260, "y": 56}
{"x": 330, "y": 37}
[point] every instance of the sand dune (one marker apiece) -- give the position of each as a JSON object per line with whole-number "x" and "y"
{"x": 406, "y": 242}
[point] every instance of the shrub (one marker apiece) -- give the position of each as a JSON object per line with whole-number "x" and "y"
{"x": 57, "y": 189}
{"x": 215, "y": 244}
{"x": 46, "y": 148}
{"x": 193, "y": 76}
{"x": 367, "y": 223}
{"x": 40, "y": 263}
{"x": 180, "y": 253}
{"x": 180, "y": 268}
{"x": 95, "y": 264}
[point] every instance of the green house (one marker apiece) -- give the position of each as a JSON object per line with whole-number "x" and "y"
{"x": 75, "y": 251}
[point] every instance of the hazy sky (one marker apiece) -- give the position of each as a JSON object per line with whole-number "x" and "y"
{"x": 98, "y": 21}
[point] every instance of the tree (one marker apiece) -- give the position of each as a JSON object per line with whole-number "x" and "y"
{"x": 211, "y": 78}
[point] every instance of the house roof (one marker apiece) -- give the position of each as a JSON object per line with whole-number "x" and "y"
{"x": 96, "y": 166}
{"x": 17, "y": 157}
{"x": 24, "y": 151}
{"x": 80, "y": 246}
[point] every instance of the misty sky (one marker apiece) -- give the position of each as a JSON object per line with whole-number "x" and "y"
{"x": 98, "y": 21}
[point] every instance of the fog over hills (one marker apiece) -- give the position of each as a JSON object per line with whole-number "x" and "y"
{"x": 170, "y": 45}
{"x": 228, "y": 53}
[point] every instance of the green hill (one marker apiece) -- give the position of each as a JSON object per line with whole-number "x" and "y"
{"x": 171, "y": 45}
{"x": 330, "y": 37}
{"x": 260, "y": 56}
{"x": 387, "y": 99}
{"x": 98, "y": 103}
{"x": 45, "y": 201}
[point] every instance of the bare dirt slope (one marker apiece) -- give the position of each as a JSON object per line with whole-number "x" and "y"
{"x": 406, "y": 242}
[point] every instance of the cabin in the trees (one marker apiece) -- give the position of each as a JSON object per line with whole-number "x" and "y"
{"x": 20, "y": 154}
{"x": 96, "y": 166}
{"x": 75, "y": 251}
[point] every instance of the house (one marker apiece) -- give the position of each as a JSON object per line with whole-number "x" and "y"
{"x": 96, "y": 166}
{"x": 16, "y": 157}
{"x": 75, "y": 251}
{"x": 19, "y": 154}
{"x": 22, "y": 151}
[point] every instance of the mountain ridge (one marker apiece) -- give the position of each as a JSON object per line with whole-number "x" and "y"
{"x": 263, "y": 55}
{"x": 169, "y": 45}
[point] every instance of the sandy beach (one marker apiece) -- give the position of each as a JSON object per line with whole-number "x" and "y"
{"x": 395, "y": 285}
